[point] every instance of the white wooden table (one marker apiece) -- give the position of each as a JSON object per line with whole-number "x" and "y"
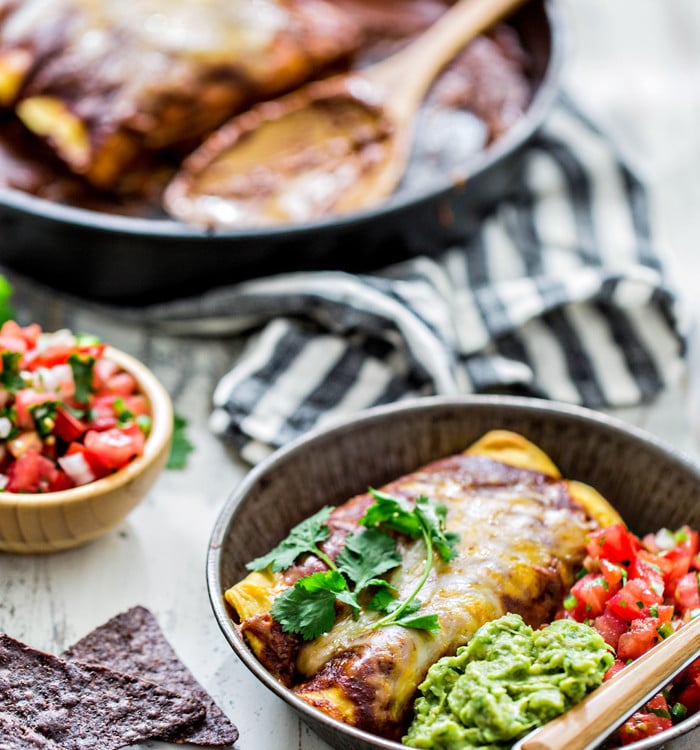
{"x": 636, "y": 65}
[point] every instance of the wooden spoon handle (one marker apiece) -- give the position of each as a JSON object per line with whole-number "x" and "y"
{"x": 415, "y": 67}
{"x": 585, "y": 725}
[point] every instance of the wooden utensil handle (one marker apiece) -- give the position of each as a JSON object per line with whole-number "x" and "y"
{"x": 606, "y": 707}
{"x": 423, "y": 59}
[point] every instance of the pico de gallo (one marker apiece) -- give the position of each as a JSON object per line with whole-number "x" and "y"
{"x": 635, "y": 592}
{"x": 68, "y": 414}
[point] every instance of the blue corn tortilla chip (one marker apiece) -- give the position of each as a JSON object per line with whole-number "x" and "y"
{"x": 15, "y": 735}
{"x": 132, "y": 642}
{"x": 80, "y": 706}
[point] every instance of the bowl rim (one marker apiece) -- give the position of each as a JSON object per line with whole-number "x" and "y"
{"x": 227, "y": 517}
{"x": 509, "y": 142}
{"x": 156, "y": 441}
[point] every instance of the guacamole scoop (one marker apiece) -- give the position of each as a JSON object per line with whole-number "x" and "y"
{"x": 507, "y": 681}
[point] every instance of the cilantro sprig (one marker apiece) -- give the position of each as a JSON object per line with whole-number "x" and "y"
{"x": 425, "y": 519}
{"x": 353, "y": 578}
{"x": 9, "y": 375}
{"x": 180, "y": 446}
{"x": 44, "y": 417}
{"x": 82, "y": 367}
{"x": 304, "y": 537}
{"x": 308, "y": 608}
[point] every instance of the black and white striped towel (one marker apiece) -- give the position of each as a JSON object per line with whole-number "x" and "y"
{"x": 562, "y": 294}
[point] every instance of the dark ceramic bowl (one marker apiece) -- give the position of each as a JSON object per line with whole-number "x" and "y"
{"x": 650, "y": 484}
{"x": 120, "y": 259}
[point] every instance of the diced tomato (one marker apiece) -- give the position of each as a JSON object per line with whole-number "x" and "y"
{"x": 613, "y": 573}
{"x": 689, "y": 697}
{"x": 53, "y": 355}
{"x": 688, "y": 540}
{"x": 102, "y": 416}
{"x": 617, "y": 666}
{"x": 592, "y": 591}
{"x": 649, "y": 571}
{"x": 32, "y": 472}
{"x": 665, "y": 612}
{"x": 60, "y": 481}
{"x": 642, "y": 635}
{"x": 693, "y": 671}
{"x": 25, "y": 398}
{"x": 613, "y": 543}
{"x": 687, "y": 592}
{"x": 136, "y": 404}
{"x": 58, "y": 354}
{"x": 12, "y": 344}
{"x": 29, "y": 334}
{"x": 67, "y": 426}
{"x": 610, "y": 627}
{"x": 641, "y": 725}
{"x": 115, "y": 447}
{"x": 122, "y": 384}
{"x": 101, "y": 373}
{"x": 677, "y": 562}
{"x": 658, "y": 705}
{"x": 633, "y": 600}
{"x": 96, "y": 466}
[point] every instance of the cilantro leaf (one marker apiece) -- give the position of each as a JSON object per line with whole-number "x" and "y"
{"x": 308, "y": 608}
{"x": 123, "y": 414}
{"x": 407, "y": 608}
{"x": 418, "y": 622}
{"x": 382, "y": 600}
{"x": 433, "y": 516}
{"x": 82, "y": 367}
{"x": 393, "y": 513}
{"x": 180, "y": 446}
{"x": 366, "y": 555}
{"x": 10, "y": 377}
{"x": 304, "y": 537}
{"x": 407, "y": 617}
{"x": 350, "y": 598}
{"x": 426, "y": 519}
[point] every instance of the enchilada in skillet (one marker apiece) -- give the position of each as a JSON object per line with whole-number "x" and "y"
{"x": 103, "y": 80}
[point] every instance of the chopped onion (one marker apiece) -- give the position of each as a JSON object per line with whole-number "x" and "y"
{"x": 53, "y": 378}
{"x": 62, "y": 337}
{"x": 665, "y": 539}
{"x": 5, "y": 427}
{"x": 77, "y": 468}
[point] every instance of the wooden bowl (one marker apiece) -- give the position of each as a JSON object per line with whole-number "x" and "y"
{"x": 650, "y": 484}
{"x": 52, "y": 521}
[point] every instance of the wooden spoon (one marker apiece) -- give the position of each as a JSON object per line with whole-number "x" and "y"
{"x": 334, "y": 146}
{"x": 587, "y": 724}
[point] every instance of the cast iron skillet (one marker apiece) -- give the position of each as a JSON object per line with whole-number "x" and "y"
{"x": 125, "y": 260}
